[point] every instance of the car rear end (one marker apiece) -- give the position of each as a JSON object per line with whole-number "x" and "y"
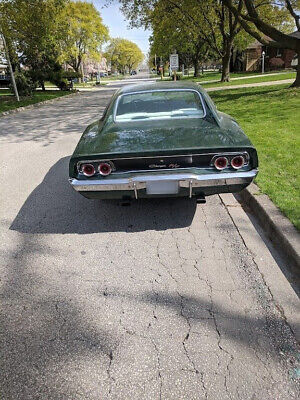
{"x": 162, "y": 142}
{"x": 193, "y": 174}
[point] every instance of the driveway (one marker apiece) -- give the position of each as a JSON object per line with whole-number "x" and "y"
{"x": 164, "y": 299}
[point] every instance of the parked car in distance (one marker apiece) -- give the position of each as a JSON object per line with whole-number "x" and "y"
{"x": 133, "y": 72}
{"x": 162, "y": 139}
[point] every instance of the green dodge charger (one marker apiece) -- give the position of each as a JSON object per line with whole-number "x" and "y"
{"x": 162, "y": 139}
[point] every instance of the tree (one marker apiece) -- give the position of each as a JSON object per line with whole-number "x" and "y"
{"x": 122, "y": 54}
{"x": 33, "y": 29}
{"x": 260, "y": 27}
{"x": 210, "y": 20}
{"x": 170, "y": 32}
{"x": 85, "y": 34}
{"x": 215, "y": 23}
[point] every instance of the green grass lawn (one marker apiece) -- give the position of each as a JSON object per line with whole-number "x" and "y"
{"x": 264, "y": 78}
{"x": 270, "y": 116}
{"x": 8, "y": 101}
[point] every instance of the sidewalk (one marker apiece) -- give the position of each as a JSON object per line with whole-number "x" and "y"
{"x": 245, "y": 77}
{"x": 247, "y": 85}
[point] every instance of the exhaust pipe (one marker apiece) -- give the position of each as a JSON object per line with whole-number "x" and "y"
{"x": 126, "y": 201}
{"x": 200, "y": 199}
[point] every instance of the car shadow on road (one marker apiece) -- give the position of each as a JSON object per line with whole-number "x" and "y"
{"x": 54, "y": 207}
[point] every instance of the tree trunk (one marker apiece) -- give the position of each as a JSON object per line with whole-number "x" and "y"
{"x": 196, "y": 68}
{"x": 226, "y": 63}
{"x": 43, "y": 86}
{"x": 297, "y": 81}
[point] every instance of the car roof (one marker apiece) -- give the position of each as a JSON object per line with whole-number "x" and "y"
{"x": 157, "y": 85}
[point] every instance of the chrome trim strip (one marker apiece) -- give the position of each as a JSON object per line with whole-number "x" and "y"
{"x": 188, "y": 180}
{"x": 157, "y": 90}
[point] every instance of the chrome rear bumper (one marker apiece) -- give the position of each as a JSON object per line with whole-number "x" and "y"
{"x": 186, "y": 180}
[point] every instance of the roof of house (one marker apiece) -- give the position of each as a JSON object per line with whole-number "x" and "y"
{"x": 256, "y": 44}
{"x": 295, "y": 34}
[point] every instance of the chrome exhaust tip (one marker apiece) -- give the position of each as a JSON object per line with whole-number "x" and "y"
{"x": 200, "y": 199}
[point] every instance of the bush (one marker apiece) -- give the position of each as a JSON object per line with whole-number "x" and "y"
{"x": 24, "y": 84}
{"x": 276, "y": 63}
{"x": 63, "y": 84}
{"x": 71, "y": 75}
{"x": 63, "y": 79}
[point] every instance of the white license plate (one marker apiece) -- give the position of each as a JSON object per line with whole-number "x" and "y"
{"x": 162, "y": 187}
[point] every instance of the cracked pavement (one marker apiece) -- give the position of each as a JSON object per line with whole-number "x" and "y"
{"x": 164, "y": 299}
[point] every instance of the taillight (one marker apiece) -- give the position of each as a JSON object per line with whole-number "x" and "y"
{"x": 88, "y": 169}
{"x": 104, "y": 168}
{"x": 221, "y": 163}
{"x": 237, "y": 162}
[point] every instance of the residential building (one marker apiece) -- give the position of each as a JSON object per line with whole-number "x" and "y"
{"x": 275, "y": 58}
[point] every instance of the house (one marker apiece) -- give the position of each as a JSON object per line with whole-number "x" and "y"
{"x": 4, "y": 77}
{"x": 3, "y": 63}
{"x": 275, "y": 58}
{"x": 92, "y": 68}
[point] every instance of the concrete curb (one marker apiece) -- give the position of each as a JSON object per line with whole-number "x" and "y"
{"x": 285, "y": 298}
{"x": 277, "y": 227}
{"x": 36, "y": 105}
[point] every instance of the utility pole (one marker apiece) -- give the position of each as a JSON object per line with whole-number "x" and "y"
{"x": 9, "y": 65}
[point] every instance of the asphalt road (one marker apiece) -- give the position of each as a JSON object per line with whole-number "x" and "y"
{"x": 164, "y": 299}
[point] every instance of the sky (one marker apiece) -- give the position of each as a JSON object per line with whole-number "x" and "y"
{"x": 119, "y": 27}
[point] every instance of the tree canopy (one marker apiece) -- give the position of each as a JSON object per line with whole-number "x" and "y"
{"x": 85, "y": 34}
{"x": 43, "y": 34}
{"x": 214, "y": 22}
{"x": 122, "y": 54}
{"x": 33, "y": 30}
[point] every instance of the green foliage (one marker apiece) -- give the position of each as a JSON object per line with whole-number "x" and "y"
{"x": 62, "y": 78}
{"x": 70, "y": 74}
{"x": 122, "y": 54}
{"x": 84, "y": 36}
{"x": 24, "y": 84}
{"x": 171, "y": 31}
{"x": 33, "y": 29}
{"x": 42, "y": 34}
{"x": 183, "y": 24}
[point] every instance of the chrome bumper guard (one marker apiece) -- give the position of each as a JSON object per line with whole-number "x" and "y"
{"x": 188, "y": 180}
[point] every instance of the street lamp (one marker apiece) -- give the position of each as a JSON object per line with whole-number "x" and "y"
{"x": 263, "y": 62}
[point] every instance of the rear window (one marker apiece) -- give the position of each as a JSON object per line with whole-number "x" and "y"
{"x": 162, "y": 104}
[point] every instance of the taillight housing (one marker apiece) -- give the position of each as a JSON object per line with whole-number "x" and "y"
{"x": 104, "y": 168}
{"x": 88, "y": 170}
{"x": 92, "y": 168}
{"x": 237, "y": 162}
{"x": 221, "y": 163}
{"x": 234, "y": 160}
